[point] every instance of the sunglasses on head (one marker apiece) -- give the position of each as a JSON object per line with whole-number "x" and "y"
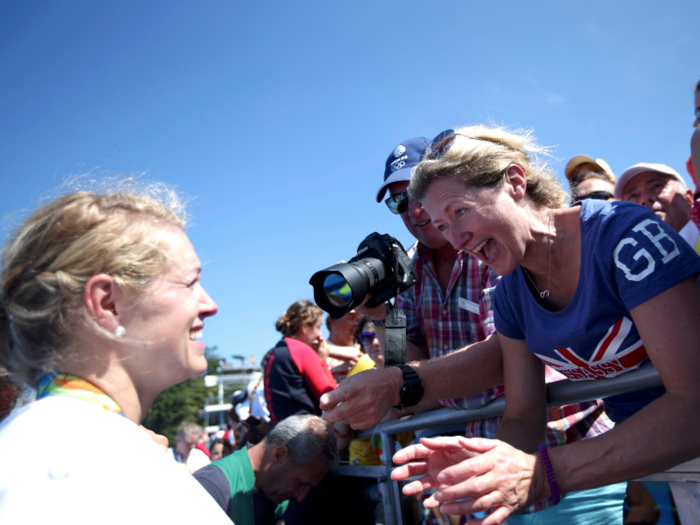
{"x": 398, "y": 203}
{"x": 441, "y": 143}
{"x": 366, "y": 339}
{"x": 596, "y": 195}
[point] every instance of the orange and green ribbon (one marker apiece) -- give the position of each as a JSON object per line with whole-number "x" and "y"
{"x": 73, "y": 386}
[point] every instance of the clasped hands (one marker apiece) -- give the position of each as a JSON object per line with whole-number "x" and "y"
{"x": 472, "y": 475}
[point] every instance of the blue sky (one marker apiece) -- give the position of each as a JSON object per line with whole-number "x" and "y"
{"x": 277, "y": 117}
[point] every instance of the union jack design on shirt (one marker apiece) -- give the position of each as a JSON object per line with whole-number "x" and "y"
{"x": 607, "y": 359}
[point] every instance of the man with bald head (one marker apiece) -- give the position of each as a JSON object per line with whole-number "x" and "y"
{"x": 662, "y": 190}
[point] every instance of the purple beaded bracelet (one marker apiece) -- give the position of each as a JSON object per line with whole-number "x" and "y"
{"x": 553, "y": 486}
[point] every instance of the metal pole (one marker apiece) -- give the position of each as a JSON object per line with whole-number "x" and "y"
{"x": 393, "y": 512}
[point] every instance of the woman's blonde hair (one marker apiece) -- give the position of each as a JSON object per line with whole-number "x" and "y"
{"x": 299, "y": 314}
{"x": 478, "y": 156}
{"x": 52, "y": 255}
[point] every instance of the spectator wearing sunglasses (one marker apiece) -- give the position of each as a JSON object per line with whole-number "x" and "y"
{"x": 662, "y": 190}
{"x": 589, "y": 179}
{"x": 367, "y": 338}
{"x": 446, "y": 309}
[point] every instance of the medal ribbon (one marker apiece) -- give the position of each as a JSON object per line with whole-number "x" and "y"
{"x": 54, "y": 384}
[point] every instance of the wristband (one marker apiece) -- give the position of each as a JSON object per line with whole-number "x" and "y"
{"x": 340, "y": 436}
{"x": 553, "y": 485}
{"x": 380, "y": 324}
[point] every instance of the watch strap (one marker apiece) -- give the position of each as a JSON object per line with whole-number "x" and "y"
{"x": 409, "y": 375}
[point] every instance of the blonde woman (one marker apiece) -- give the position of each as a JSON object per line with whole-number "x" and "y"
{"x": 593, "y": 291}
{"x": 101, "y": 310}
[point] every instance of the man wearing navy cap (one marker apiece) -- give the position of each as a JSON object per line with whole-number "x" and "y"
{"x": 446, "y": 309}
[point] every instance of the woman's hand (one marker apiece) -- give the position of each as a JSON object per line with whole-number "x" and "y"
{"x": 492, "y": 474}
{"x": 429, "y": 459}
{"x": 321, "y": 348}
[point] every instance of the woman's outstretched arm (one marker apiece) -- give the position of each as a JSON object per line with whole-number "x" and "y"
{"x": 661, "y": 435}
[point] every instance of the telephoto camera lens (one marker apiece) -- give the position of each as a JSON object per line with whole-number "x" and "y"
{"x": 346, "y": 285}
{"x": 380, "y": 268}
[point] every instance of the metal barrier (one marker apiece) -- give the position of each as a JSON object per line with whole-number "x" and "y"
{"x": 684, "y": 478}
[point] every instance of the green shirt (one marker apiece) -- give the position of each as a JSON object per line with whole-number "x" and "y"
{"x": 241, "y": 479}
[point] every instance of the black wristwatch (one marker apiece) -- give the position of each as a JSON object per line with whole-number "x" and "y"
{"x": 412, "y": 391}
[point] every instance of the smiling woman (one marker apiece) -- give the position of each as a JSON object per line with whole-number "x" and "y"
{"x": 101, "y": 310}
{"x": 593, "y": 291}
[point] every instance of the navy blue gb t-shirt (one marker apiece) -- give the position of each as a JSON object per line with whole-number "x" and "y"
{"x": 628, "y": 256}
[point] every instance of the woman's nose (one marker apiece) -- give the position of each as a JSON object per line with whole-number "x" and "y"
{"x": 207, "y": 306}
{"x": 456, "y": 238}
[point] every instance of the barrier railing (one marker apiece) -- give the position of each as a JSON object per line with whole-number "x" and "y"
{"x": 684, "y": 478}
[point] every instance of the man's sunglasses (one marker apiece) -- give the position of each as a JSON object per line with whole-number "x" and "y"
{"x": 367, "y": 338}
{"x": 697, "y": 112}
{"x": 597, "y": 195}
{"x": 398, "y": 203}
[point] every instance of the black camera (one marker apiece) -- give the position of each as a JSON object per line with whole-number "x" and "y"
{"x": 381, "y": 268}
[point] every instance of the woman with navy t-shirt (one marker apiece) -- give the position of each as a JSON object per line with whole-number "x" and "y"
{"x": 593, "y": 291}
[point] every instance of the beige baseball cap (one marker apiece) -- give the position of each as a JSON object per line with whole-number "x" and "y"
{"x": 585, "y": 159}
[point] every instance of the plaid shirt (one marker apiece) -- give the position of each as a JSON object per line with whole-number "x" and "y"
{"x": 447, "y": 322}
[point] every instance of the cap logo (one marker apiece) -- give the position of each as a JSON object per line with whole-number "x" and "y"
{"x": 400, "y": 150}
{"x": 398, "y": 163}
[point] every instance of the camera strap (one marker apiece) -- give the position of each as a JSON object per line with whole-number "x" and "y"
{"x": 395, "y": 337}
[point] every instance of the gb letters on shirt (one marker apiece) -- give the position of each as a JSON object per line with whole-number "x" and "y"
{"x": 646, "y": 247}
{"x": 636, "y": 262}
{"x": 628, "y": 256}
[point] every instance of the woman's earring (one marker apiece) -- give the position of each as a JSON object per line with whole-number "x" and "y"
{"x": 119, "y": 331}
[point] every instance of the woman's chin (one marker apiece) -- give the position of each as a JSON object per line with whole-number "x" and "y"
{"x": 200, "y": 366}
{"x": 500, "y": 264}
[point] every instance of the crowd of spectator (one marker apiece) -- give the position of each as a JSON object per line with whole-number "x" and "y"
{"x": 519, "y": 284}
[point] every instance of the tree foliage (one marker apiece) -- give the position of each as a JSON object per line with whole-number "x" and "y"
{"x": 181, "y": 402}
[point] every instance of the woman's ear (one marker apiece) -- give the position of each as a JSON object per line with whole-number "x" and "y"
{"x": 101, "y": 297}
{"x": 516, "y": 182}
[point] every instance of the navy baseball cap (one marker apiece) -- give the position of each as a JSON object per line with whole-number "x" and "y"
{"x": 401, "y": 162}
